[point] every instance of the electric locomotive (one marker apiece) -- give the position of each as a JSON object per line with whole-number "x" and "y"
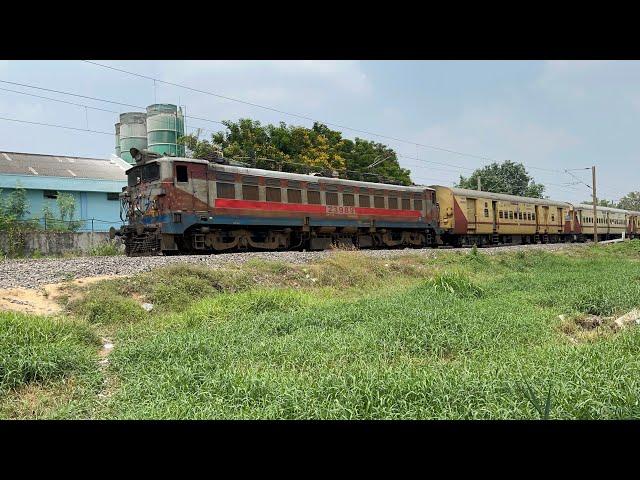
{"x": 175, "y": 205}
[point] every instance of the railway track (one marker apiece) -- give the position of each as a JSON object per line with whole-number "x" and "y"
{"x": 33, "y": 273}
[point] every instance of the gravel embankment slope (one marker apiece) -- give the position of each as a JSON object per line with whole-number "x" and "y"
{"x": 34, "y": 273}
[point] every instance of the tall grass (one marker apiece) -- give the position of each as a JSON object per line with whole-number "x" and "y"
{"x": 463, "y": 336}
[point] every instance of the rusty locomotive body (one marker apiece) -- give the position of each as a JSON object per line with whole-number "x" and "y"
{"x": 176, "y": 205}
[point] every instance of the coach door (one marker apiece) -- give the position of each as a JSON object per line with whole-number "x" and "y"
{"x": 471, "y": 213}
{"x": 544, "y": 221}
{"x": 495, "y": 216}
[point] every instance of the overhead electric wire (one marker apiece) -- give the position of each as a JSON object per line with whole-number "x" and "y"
{"x": 212, "y": 121}
{"x": 305, "y": 117}
{"x": 248, "y": 103}
{"x": 57, "y": 126}
{"x": 98, "y": 99}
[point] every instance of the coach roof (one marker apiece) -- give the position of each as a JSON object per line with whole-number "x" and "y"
{"x": 507, "y": 198}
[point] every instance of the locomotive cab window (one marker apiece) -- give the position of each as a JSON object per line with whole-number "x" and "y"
{"x": 133, "y": 177}
{"x": 151, "y": 172}
{"x": 182, "y": 174}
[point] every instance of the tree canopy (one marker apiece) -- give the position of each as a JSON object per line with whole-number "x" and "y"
{"x": 631, "y": 201}
{"x": 601, "y": 202}
{"x": 302, "y": 150}
{"x": 506, "y": 177}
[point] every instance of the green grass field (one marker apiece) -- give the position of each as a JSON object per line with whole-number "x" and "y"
{"x": 461, "y": 336}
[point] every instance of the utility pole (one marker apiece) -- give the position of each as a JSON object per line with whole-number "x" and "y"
{"x": 595, "y": 211}
{"x": 479, "y": 184}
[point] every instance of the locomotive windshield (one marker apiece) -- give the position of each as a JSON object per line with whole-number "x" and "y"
{"x": 146, "y": 173}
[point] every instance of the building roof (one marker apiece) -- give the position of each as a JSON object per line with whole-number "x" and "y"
{"x": 35, "y": 164}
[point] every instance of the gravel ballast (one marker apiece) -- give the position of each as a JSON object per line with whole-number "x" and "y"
{"x": 32, "y": 273}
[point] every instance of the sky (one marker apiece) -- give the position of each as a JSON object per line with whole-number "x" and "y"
{"x": 549, "y": 115}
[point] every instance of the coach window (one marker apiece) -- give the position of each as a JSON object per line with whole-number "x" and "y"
{"x": 226, "y": 190}
{"x": 393, "y": 203}
{"x": 274, "y": 194}
{"x": 313, "y": 197}
{"x": 486, "y": 213}
{"x": 250, "y": 192}
{"x": 348, "y": 200}
{"x": 417, "y": 204}
{"x": 510, "y": 215}
{"x": 294, "y": 196}
{"x": 365, "y": 201}
{"x": 378, "y": 201}
{"x": 500, "y": 214}
{"x": 182, "y": 175}
{"x": 331, "y": 198}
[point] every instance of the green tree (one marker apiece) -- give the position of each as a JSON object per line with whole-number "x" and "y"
{"x": 631, "y": 201}
{"x": 66, "y": 206}
{"x": 506, "y": 177}
{"x": 300, "y": 149}
{"x": 13, "y": 207}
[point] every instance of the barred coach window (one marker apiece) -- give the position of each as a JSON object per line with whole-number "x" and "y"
{"x": 313, "y": 197}
{"x": 406, "y": 204}
{"x": 226, "y": 190}
{"x": 365, "y": 201}
{"x": 293, "y": 195}
{"x": 348, "y": 200}
{"x": 378, "y": 202}
{"x": 250, "y": 192}
{"x": 417, "y": 204}
{"x": 332, "y": 198}
{"x": 393, "y": 203}
{"x": 274, "y": 194}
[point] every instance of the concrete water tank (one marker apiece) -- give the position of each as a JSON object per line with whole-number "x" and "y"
{"x": 165, "y": 125}
{"x": 133, "y": 133}
{"x": 117, "y": 139}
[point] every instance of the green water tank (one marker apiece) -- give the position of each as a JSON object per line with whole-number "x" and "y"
{"x": 133, "y": 133}
{"x": 165, "y": 125}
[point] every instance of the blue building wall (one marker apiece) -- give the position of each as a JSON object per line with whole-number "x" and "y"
{"x": 92, "y": 205}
